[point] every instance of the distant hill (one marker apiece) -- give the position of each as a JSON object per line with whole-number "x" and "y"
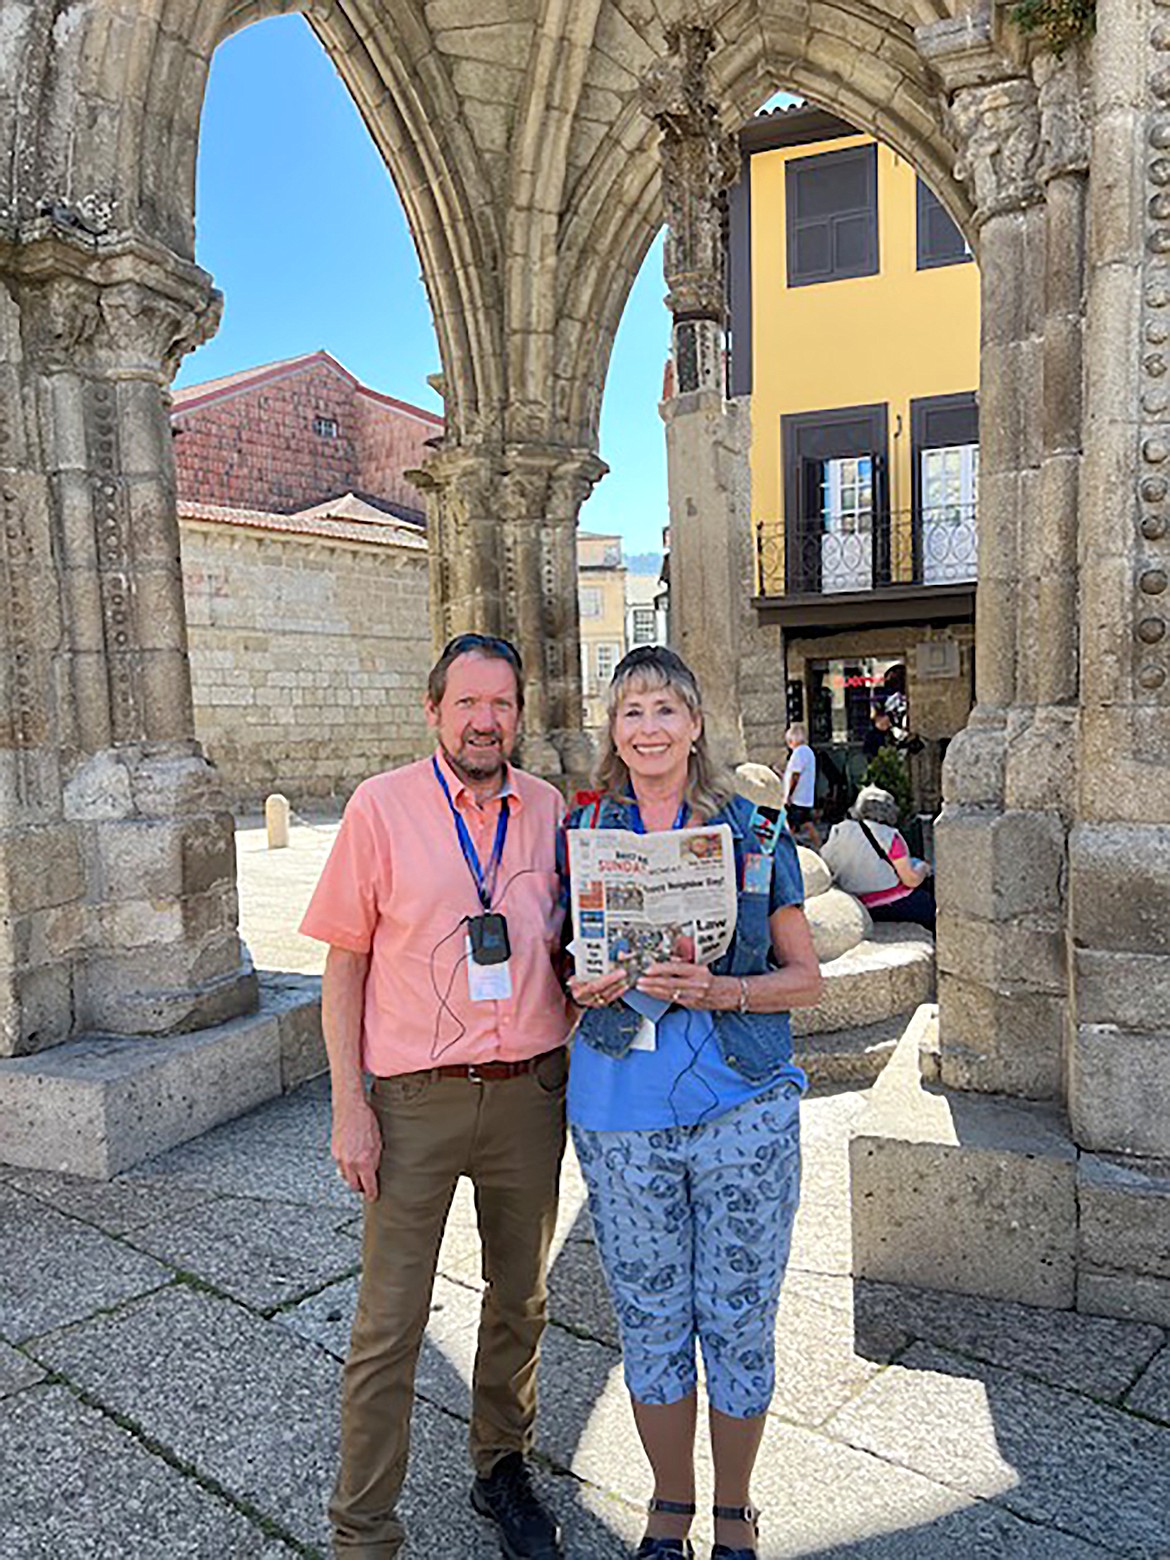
{"x": 642, "y": 563}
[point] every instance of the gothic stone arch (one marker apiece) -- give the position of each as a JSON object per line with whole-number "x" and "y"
{"x": 526, "y": 151}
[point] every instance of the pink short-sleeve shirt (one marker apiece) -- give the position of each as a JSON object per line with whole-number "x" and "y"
{"x": 396, "y": 886}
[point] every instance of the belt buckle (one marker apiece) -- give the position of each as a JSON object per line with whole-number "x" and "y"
{"x": 473, "y": 1075}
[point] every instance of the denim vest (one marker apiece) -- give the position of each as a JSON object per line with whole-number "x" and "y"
{"x": 756, "y": 1045}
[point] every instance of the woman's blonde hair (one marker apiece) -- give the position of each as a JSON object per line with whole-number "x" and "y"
{"x": 709, "y": 787}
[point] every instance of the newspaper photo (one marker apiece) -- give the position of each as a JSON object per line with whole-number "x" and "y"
{"x": 641, "y": 898}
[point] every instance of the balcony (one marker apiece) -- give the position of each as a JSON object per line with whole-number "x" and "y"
{"x": 916, "y": 565}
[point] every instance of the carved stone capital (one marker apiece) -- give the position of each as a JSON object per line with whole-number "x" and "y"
{"x": 464, "y": 476}
{"x": 1064, "y": 102}
{"x": 120, "y": 307}
{"x": 572, "y": 483}
{"x": 996, "y": 130}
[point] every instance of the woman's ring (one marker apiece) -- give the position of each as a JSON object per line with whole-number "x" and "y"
{"x": 676, "y": 994}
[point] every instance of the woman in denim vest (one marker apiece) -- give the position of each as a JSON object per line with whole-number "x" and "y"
{"x": 687, "y": 1129}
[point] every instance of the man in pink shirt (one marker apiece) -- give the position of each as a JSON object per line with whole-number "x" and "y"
{"x": 440, "y": 906}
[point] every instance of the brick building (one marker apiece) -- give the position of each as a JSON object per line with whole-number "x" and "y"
{"x": 284, "y": 436}
{"x": 305, "y": 576}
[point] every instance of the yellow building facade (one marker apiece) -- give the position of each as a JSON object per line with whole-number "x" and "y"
{"x": 855, "y": 330}
{"x": 892, "y": 338}
{"x": 601, "y": 602}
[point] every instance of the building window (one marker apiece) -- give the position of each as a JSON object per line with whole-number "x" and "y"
{"x": 326, "y": 427}
{"x": 643, "y": 625}
{"x": 939, "y": 240}
{"x": 945, "y": 435}
{"x": 832, "y": 216}
{"x": 607, "y": 658}
{"x": 836, "y": 512}
{"x": 589, "y": 598}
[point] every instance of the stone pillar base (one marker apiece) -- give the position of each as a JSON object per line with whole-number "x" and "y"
{"x": 101, "y": 1104}
{"x": 965, "y": 1193}
{"x": 990, "y": 1196}
{"x": 159, "y": 950}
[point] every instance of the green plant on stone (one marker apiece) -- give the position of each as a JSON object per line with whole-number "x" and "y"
{"x": 887, "y": 768}
{"x": 1059, "y": 22}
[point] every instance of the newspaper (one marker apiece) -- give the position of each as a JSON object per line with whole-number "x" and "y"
{"x": 641, "y": 898}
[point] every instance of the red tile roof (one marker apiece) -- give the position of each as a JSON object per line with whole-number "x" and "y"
{"x": 189, "y": 397}
{"x": 378, "y": 534}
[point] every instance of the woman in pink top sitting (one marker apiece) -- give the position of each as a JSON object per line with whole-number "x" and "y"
{"x": 869, "y": 859}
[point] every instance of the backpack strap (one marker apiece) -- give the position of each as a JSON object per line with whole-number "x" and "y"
{"x": 877, "y": 845}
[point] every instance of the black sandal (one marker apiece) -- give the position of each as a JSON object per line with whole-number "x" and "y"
{"x": 667, "y": 1548}
{"x": 747, "y": 1514}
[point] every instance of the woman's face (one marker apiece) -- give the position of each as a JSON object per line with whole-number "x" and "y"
{"x": 652, "y": 731}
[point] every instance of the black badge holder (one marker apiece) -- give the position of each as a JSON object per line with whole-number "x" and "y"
{"x": 488, "y": 935}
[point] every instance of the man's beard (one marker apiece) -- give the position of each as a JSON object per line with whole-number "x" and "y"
{"x": 477, "y": 764}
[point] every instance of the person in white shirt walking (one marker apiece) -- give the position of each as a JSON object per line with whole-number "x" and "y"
{"x": 800, "y": 786}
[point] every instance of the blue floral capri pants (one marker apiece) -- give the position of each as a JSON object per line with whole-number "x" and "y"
{"x": 694, "y": 1226}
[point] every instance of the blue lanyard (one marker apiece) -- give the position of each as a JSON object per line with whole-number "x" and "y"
{"x": 485, "y": 882}
{"x": 640, "y": 828}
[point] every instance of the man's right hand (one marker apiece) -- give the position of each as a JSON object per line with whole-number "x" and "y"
{"x": 357, "y": 1148}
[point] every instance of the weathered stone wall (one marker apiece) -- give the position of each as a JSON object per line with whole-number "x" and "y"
{"x": 308, "y": 658}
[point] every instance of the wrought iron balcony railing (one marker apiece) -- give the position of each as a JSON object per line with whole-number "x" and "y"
{"x": 869, "y": 550}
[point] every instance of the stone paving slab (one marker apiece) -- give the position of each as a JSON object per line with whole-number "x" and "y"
{"x": 249, "y": 1406}
{"x": 262, "y": 1253}
{"x": 279, "y": 1152}
{"x": 73, "y": 1484}
{"x": 17, "y": 1371}
{"x": 58, "y": 1270}
{"x": 818, "y": 1369}
{"x": 822, "y": 1498}
{"x": 1151, "y": 1395}
{"x": 1048, "y": 1455}
{"x": 113, "y": 1206}
{"x": 1089, "y": 1354}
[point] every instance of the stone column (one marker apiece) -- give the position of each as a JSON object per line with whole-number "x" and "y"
{"x": 118, "y": 851}
{"x": 1119, "y": 855}
{"x": 462, "y": 487}
{"x": 704, "y": 443}
{"x": 1002, "y": 981}
{"x": 503, "y": 537}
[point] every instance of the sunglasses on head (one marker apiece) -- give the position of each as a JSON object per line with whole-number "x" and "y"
{"x": 653, "y": 655}
{"x": 463, "y": 643}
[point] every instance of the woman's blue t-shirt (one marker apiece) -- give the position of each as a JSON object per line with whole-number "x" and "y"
{"x": 684, "y": 1081}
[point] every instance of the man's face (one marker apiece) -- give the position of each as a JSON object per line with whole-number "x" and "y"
{"x": 477, "y": 718}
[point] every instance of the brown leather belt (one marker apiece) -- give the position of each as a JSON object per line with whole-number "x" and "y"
{"x": 492, "y": 1072}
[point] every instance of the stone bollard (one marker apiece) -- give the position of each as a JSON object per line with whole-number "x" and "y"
{"x": 276, "y": 819}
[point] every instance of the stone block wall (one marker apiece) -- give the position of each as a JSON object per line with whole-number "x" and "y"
{"x": 253, "y": 444}
{"x": 309, "y": 656}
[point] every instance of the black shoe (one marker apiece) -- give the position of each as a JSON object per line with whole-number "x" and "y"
{"x": 659, "y": 1548}
{"x": 506, "y": 1497}
{"x": 747, "y": 1514}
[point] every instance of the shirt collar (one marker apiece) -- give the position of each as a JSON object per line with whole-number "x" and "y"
{"x": 462, "y": 795}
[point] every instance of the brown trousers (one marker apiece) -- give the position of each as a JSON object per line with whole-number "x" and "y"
{"x": 508, "y": 1137}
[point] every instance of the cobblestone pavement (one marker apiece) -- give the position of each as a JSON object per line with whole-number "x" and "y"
{"x": 172, "y": 1344}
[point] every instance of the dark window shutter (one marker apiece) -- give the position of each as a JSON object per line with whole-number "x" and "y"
{"x": 832, "y": 219}
{"x": 943, "y": 421}
{"x": 939, "y": 240}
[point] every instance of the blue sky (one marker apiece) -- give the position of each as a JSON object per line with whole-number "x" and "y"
{"x": 300, "y": 225}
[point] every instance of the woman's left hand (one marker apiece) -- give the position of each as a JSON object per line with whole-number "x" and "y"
{"x": 686, "y": 985}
